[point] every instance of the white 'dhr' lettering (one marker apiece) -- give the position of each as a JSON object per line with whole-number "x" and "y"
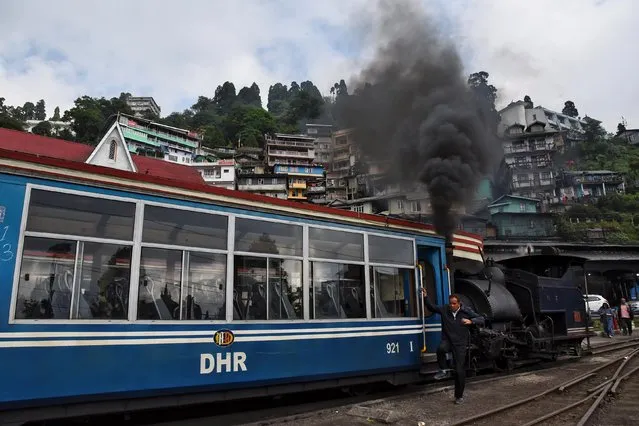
{"x": 218, "y": 362}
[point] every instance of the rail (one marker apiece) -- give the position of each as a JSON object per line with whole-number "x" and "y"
{"x": 610, "y": 386}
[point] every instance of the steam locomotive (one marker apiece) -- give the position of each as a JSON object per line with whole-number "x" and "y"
{"x": 533, "y": 306}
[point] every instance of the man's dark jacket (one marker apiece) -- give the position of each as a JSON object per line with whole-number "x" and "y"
{"x": 453, "y": 329}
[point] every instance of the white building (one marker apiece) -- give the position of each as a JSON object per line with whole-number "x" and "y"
{"x": 141, "y": 104}
{"x": 218, "y": 173}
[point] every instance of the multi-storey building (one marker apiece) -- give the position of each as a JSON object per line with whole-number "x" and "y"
{"x": 322, "y": 134}
{"x": 304, "y": 182}
{"x": 569, "y": 130}
{"x": 150, "y": 139}
{"x": 529, "y": 143}
{"x": 343, "y": 159}
{"x": 217, "y": 173}
{"x": 271, "y": 184}
{"x": 142, "y": 104}
{"x": 249, "y": 160}
{"x": 580, "y": 186}
{"x": 294, "y": 155}
{"x": 293, "y": 150}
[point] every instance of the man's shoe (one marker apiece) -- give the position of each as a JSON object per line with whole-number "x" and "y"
{"x": 443, "y": 374}
{"x": 459, "y": 401}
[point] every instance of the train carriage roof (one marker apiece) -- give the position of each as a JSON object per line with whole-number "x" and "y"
{"x": 26, "y": 153}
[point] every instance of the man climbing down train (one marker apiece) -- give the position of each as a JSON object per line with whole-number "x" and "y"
{"x": 455, "y": 337}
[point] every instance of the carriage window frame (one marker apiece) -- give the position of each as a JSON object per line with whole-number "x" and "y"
{"x": 268, "y": 257}
{"x": 410, "y": 268}
{"x": 79, "y": 241}
{"x": 186, "y": 252}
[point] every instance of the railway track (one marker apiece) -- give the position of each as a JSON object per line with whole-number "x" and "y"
{"x": 600, "y": 395}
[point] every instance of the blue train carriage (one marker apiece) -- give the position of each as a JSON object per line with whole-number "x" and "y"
{"x": 235, "y": 294}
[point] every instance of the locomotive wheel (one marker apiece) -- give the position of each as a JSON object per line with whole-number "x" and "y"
{"x": 578, "y": 350}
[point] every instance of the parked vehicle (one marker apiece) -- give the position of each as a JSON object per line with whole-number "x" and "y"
{"x": 594, "y": 302}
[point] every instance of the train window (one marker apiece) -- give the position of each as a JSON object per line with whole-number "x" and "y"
{"x": 160, "y": 284}
{"x": 184, "y": 228}
{"x": 165, "y": 293}
{"x": 388, "y": 295}
{"x": 267, "y": 288}
{"x": 46, "y": 279}
{"x": 258, "y": 236}
{"x": 335, "y": 245}
{"x": 204, "y": 293}
{"x": 57, "y": 212}
{"x": 105, "y": 271}
{"x": 338, "y": 291}
{"x": 390, "y": 251}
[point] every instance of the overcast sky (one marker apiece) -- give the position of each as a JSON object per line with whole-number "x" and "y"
{"x": 552, "y": 50}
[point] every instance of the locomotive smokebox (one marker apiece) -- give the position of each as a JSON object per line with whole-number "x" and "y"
{"x": 450, "y": 263}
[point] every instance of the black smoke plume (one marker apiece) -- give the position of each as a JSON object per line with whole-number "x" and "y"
{"x": 412, "y": 106}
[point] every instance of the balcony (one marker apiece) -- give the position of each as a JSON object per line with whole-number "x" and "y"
{"x": 522, "y": 184}
{"x": 294, "y": 154}
{"x": 296, "y": 197}
{"x": 316, "y": 189}
{"x": 526, "y": 147}
{"x": 274, "y": 161}
{"x": 278, "y": 142}
{"x": 297, "y": 184}
{"x": 256, "y": 187}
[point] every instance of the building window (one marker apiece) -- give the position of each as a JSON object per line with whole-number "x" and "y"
{"x": 358, "y": 209}
{"x": 416, "y": 206}
{"x": 400, "y": 205}
{"x": 113, "y": 147}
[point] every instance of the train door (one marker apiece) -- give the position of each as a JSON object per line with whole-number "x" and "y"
{"x": 430, "y": 277}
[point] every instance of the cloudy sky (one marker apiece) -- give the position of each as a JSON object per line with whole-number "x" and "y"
{"x": 552, "y": 50}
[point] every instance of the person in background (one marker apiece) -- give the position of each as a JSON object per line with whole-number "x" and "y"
{"x": 455, "y": 338}
{"x": 625, "y": 317}
{"x": 606, "y": 314}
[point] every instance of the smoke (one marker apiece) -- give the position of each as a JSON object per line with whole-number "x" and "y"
{"x": 412, "y": 107}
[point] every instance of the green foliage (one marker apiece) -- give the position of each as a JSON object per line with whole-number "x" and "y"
{"x": 43, "y": 128}
{"x": 612, "y": 218}
{"x": 570, "y": 109}
{"x": 230, "y": 117}
{"x": 91, "y": 115}
{"x": 56, "y": 114}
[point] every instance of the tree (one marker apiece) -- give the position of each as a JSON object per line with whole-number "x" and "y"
{"x": 528, "y": 103}
{"x": 570, "y": 109}
{"x": 90, "y": 116}
{"x": 277, "y": 99}
{"x": 620, "y": 128}
{"x": 43, "y": 128}
{"x": 7, "y": 118}
{"x": 56, "y": 114}
{"x": 40, "y": 112}
{"x": 250, "y": 96}
{"x": 28, "y": 111}
{"x": 593, "y": 129}
{"x": 225, "y": 98}
{"x": 486, "y": 94}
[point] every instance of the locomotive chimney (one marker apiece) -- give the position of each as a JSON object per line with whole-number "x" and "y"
{"x": 450, "y": 262}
